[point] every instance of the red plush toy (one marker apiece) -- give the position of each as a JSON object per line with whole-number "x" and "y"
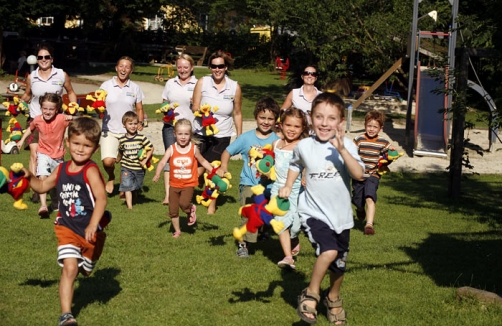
{"x": 15, "y": 184}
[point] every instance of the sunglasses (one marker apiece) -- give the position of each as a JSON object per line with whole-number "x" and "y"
{"x": 46, "y": 57}
{"x": 222, "y": 66}
{"x": 310, "y": 73}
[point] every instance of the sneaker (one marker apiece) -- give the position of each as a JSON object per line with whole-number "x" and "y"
{"x": 369, "y": 230}
{"x": 361, "y": 213}
{"x": 288, "y": 263}
{"x": 43, "y": 212}
{"x": 67, "y": 319}
{"x": 193, "y": 217}
{"x": 242, "y": 252}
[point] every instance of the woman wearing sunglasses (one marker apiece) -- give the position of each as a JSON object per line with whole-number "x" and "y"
{"x": 301, "y": 98}
{"x": 218, "y": 90}
{"x": 45, "y": 79}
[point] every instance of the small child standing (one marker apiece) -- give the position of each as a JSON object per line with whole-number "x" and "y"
{"x": 370, "y": 148}
{"x": 50, "y": 153}
{"x": 82, "y": 216}
{"x": 131, "y": 168}
{"x": 328, "y": 160}
{"x": 294, "y": 127}
{"x": 265, "y": 113}
{"x": 183, "y": 156}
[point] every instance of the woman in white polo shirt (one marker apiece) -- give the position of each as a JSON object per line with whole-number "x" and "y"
{"x": 122, "y": 95}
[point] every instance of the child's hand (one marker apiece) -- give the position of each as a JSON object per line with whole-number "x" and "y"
{"x": 27, "y": 174}
{"x": 284, "y": 192}
{"x": 156, "y": 178}
{"x": 337, "y": 141}
{"x": 220, "y": 173}
{"x": 68, "y": 117}
{"x": 19, "y": 145}
{"x": 90, "y": 232}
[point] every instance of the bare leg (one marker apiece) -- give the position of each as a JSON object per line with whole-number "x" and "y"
{"x": 176, "y": 224}
{"x": 32, "y": 165}
{"x": 284, "y": 239}
{"x": 166, "y": 187}
{"x": 109, "y": 167}
{"x": 335, "y": 281}
{"x": 43, "y": 197}
{"x": 68, "y": 275}
{"x": 128, "y": 198}
{"x": 370, "y": 210}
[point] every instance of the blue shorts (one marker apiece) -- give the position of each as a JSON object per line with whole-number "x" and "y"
{"x": 364, "y": 189}
{"x": 324, "y": 239}
{"x": 168, "y": 139}
{"x": 131, "y": 179}
{"x": 46, "y": 164}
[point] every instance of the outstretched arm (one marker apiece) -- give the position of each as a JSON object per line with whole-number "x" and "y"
{"x": 42, "y": 186}
{"x": 162, "y": 163}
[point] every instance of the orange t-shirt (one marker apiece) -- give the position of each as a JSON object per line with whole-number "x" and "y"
{"x": 51, "y": 135}
{"x": 183, "y": 167}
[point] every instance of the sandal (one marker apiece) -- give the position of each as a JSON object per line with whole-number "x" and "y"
{"x": 368, "y": 229}
{"x": 296, "y": 250}
{"x": 302, "y": 308}
{"x": 67, "y": 319}
{"x": 193, "y": 217}
{"x": 334, "y": 318}
{"x": 287, "y": 262}
{"x": 176, "y": 235}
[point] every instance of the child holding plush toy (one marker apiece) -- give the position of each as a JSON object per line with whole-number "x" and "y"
{"x": 132, "y": 169}
{"x": 183, "y": 156}
{"x": 51, "y": 127}
{"x": 294, "y": 127}
{"x": 371, "y": 147}
{"x": 266, "y": 112}
{"x": 328, "y": 160}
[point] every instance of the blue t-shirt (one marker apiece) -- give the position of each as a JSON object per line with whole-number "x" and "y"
{"x": 242, "y": 145}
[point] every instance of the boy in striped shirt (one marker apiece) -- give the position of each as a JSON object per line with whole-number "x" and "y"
{"x": 370, "y": 148}
{"x": 132, "y": 170}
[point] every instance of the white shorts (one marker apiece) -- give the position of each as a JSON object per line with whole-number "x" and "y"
{"x": 46, "y": 164}
{"x": 109, "y": 144}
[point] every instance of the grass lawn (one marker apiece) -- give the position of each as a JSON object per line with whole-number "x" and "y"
{"x": 425, "y": 247}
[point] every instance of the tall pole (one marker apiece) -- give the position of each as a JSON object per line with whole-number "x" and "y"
{"x": 411, "y": 71}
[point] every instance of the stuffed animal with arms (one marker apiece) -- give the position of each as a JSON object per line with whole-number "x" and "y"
{"x": 387, "y": 158}
{"x": 168, "y": 110}
{"x": 206, "y": 113}
{"x": 149, "y": 163}
{"x": 15, "y": 184}
{"x": 214, "y": 185}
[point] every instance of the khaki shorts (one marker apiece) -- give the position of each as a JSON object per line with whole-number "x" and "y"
{"x": 109, "y": 144}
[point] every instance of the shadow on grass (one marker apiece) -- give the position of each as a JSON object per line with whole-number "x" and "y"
{"x": 461, "y": 259}
{"x": 100, "y": 288}
{"x": 39, "y": 282}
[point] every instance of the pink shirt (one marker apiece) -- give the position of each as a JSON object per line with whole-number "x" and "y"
{"x": 51, "y": 135}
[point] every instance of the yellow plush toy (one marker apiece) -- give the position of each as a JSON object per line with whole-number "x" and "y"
{"x": 168, "y": 110}
{"x": 72, "y": 108}
{"x": 214, "y": 185}
{"x": 98, "y": 100}
{"x": 208, "y": 120}
{"x": 15, "y": 184}
{"x": 149, "y": 164}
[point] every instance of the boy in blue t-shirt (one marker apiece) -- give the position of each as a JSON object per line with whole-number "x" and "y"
{"x": 266, "y": 112}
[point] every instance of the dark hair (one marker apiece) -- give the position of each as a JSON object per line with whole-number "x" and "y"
{"x": 267, "y": 103}
{"x": 47, "y": 47}
{"x": 129, "y": 116}
{"x": 297, "y": 113}
{"x": 376, "y": 115}
{"x": 330, "y": 99}
{"x": 126, "y": 58}
{"x": 86, "y": 126}
{"x": 220, "y": 54}
{"x": 53, "y": 98}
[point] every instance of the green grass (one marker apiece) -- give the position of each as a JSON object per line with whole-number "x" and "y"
{"x": 425, "y": 247}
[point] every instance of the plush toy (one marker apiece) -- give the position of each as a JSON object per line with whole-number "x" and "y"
{"x": 388, "y": 157}
{"x": 15, "y": 184}
{"x": 168, "y": 110}
{"x": 261, "y": 212}
{"x": 214, "y": 185}
{"x": 16, "y": 131}
{"x": 16, "y": 108}
{"x": 98, "y": 100}
{"x": 208, "y": 120}
{"x": 72, "y": 108}
{"x": 149, "y": 164}
{"x": 263, "y": 159}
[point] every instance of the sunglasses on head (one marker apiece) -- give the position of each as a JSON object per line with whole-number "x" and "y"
{"x": 222, "y": 66}
{"x": 311, "y": 73}
{"x": 46, "y": 57}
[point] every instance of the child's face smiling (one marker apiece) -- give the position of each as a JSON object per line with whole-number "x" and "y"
{"x": 292, "y": 128}
{"x": 326, "y": 121}
{"x": 265, "y": 122}
{"x": 80, "y": 148}
{"x": 183, "y": 135}
{"x": 131, "y": 126}
{"x": 49, "y": 110}
{"x": 372, "y": 128}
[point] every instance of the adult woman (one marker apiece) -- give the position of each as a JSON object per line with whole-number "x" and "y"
{"x": 122, "y": 95}
{"x": 301, "y": 98}
{"x": 45, "y": 79}
{"x": 221, "y": 91}
{"x": 178, "y": 90}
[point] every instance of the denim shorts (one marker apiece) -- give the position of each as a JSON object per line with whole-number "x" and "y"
{"x": 46, "y": 164}
{"x": 131, "y": 179}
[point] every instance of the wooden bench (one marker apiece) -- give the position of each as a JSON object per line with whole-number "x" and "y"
{"x": 198, "y": 53}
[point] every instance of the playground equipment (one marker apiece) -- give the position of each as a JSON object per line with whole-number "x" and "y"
{"x": 19, "y": 83}
{"x": 160, "y": 72}
{"x": 282, "y": 65}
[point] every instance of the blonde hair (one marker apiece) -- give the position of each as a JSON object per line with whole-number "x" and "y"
{"x": 186, "y": 123}
{"x": 186, "y": 57}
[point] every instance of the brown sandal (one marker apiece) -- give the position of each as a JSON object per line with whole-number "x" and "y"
{"x": 334, "y": 318}
{"x": 303, "y": 309}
